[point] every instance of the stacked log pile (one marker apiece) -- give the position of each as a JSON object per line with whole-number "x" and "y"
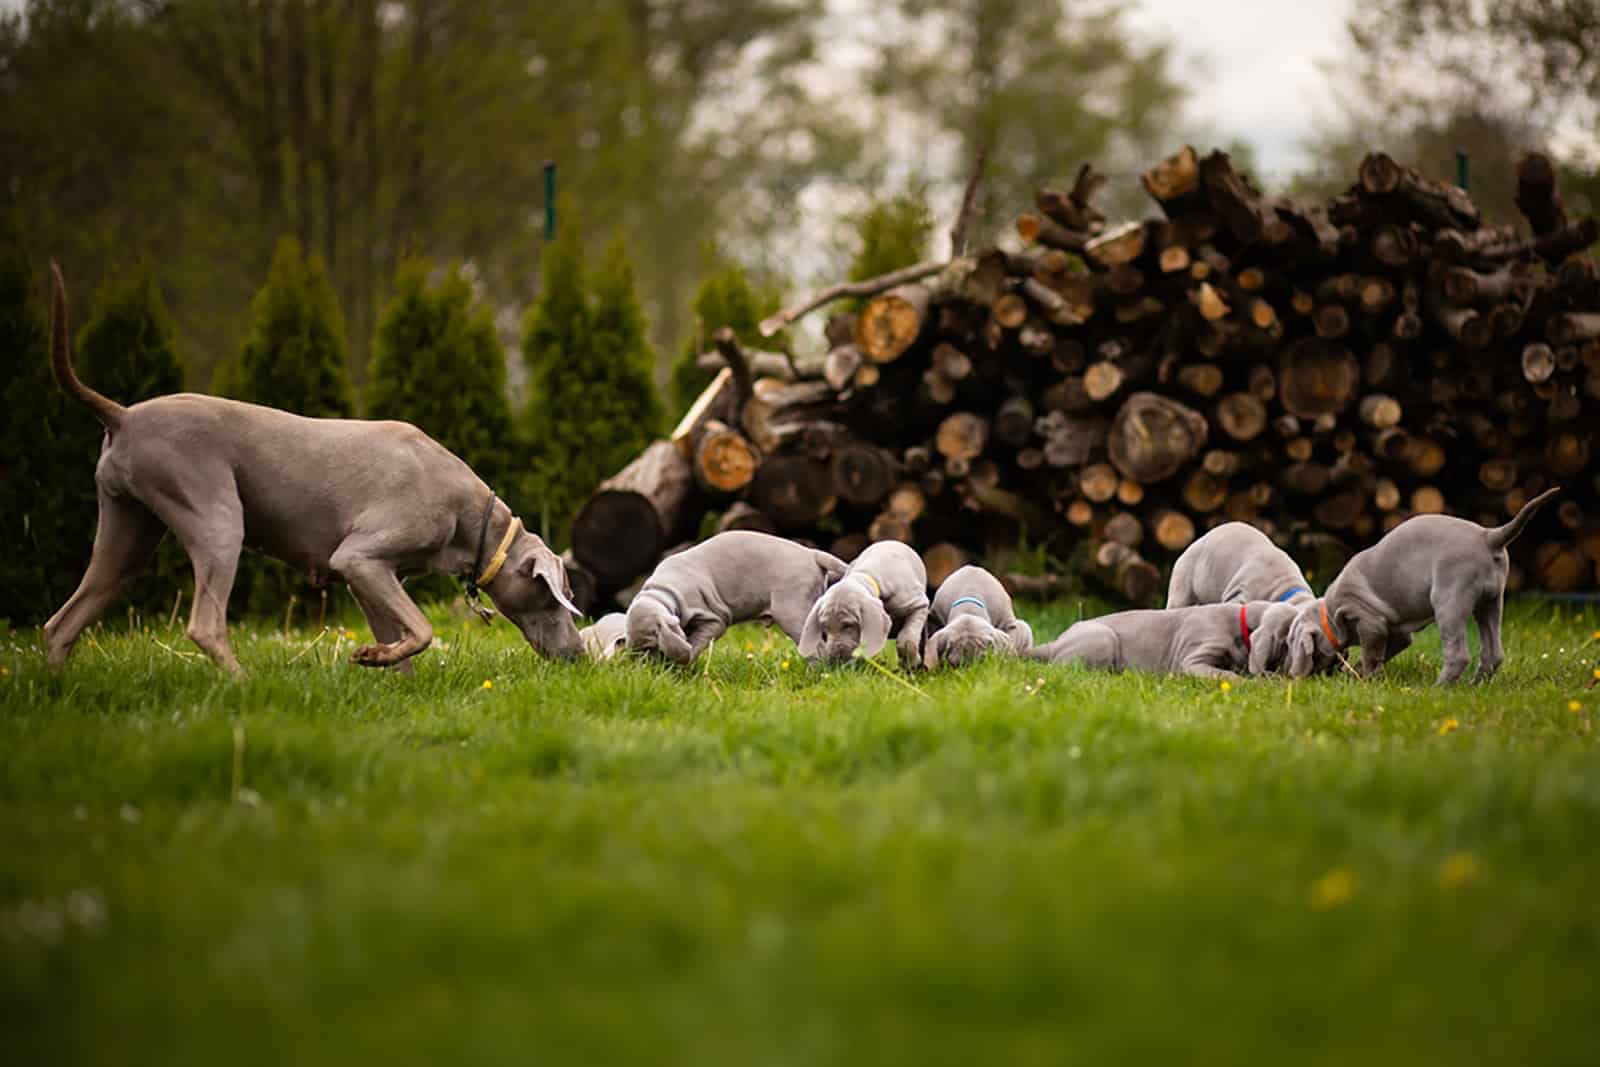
{"x": 1321, "y": 370}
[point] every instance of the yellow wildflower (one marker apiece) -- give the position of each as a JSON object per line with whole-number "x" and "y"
{"x": 1226, "y": 688}
{"x": 1333, "y": 889}
{"x": 488, "y": 683}
{"x": 785, "y": 664}
{"x": 1448, "y": 726}
{"x": 349, "y": 635}
{"x": 1459, "y": 869}
{"x": 1574, "y": 706}
{"x": 5, "y": 672}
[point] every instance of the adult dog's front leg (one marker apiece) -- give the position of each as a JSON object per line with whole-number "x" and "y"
{"x": 380, "y": 593}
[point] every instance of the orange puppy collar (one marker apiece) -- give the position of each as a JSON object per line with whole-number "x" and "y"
{"x": 1332, "y": 640}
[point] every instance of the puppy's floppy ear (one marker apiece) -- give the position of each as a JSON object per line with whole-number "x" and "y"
{"x": 543, "y": 563}
{"x": 932, "y": 649}
{"x": 672, "y": 641}
{"x": 833, "y": 568}
{"x": 1302, "y": 652}
{"x": 811, "y": 632}
{"x": 875, "y": 625}
{"x": 1020, "y": 634}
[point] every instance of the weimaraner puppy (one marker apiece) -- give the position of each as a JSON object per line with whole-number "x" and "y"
{"x": 1214, "y": 640}
{"x": 692, "y": 597}
{"x": 973, "y": 616}
{"x": 1430, "y": 568}
{"x": 365, "y": 501}
{"x": 884, "y": 593}
{"x": 606, "y": 637}
{"x": 1233, "y": 564}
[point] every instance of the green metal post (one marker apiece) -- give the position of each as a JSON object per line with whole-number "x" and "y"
{"x": 1463, "y": 169}
{"x": 550, "y": 200}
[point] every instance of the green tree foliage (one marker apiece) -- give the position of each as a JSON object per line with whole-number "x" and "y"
{"x": 893, "y": 233}
{"x": 294, "y": 356}
{"x": 593, "y": 405}
{"x": 48, "y": 445}
{"x": 724, "y": 297}
{"x": 1041, "y": 87}
{"x": 438, "y": 363}
{"x": 197, "y": 131}
{"x": 126, "y": 352}
{"x": 294, "y": 360}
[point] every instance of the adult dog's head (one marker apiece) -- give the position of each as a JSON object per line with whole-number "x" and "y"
{"x": 531, "y": 590}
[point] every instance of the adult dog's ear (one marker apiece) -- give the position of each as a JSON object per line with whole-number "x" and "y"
{"x": 875, "y": 625}
{"x": 811, "y": 632}
{"x": 543, "y": 563}
{"x": 1020, "y": 634}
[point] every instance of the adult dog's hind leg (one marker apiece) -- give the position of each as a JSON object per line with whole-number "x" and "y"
{"x": 125, "y": 536}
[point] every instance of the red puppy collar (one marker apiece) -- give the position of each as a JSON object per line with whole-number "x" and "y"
{"x": 1244, "y": 627}
{"x": 1332, "y": 640}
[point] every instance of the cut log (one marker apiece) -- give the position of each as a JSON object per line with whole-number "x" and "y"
{"x": 1241, "y": 416}
{"x": 1317, "y": 378}
{"x": 794, "y": 491}
{"x": 1069, "y": 304}
{"x": 741, "y": 516}
{"x": 942, "y": 560}
{"x": 1013, "y": 421}
{"x": 1127, "y": 573}
{"x": 840, "y": 365}
{"x": 1306, "y": 479}
{"x": 1153, "y": 437}
{"x": 1201, "y": 379}
{"x": 1331, "y": 321}
{"x": 1379, "y": 411}
{"x": 1240, "y": 207}
{"x": 1102, "y": 380}
{"x": 888, "y": 526}
{"x": 891, "y": 322}
{"x": 962, "y": 435}
{"x": 1124, "y": 528}
{"x": 1098, "y": 482}
{"x": 585, "y": 588}
{"x": 1560, "y": 568}
{"x": 1339, "y": 511}
{"x": 1566, "y": 454}
{"x": 1121, "y": 244}
{"x": 1037, "y": 228}
{"x": 1129, "y": 492}
{"x": 1424, "y": 457}
{"x": 863, "y": 474}
{"x": 1434, "y": 204}
{"x": 908, "y": 500}
{"x": 634, "y": 515}
{"x": 1427, "y": 500}
{"x": 1204, "y": 493}
{"x": 724, "y": 461}
{"x": 1173, "y": 530}
{"x": 1386, "y": 494}
{"x": 868, "y": 287}
{"x": 1393, "y": 247}
{"x": 1009, "y": 311}
{"x": 1174, "y": 183}
{"x": 1573, "y": 328}
{"x": 1537, "y": 196}
{"x": 1538, "y": 363}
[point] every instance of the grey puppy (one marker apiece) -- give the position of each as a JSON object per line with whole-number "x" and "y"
{"x": 606, "y": 637}
{"x": 1430, "y": 568}
{"x": 365, "y": 501}
{"x": 692, "y": 598}
{"x": 884, "y": 593}
{"x": 1232, "y": 564}
{"x": 1215, "y": 640}
{"x": 973, "y": 616}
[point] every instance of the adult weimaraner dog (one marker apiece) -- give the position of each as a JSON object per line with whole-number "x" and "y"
{"x": 1233, "y": 564}
{"x": 1429, "y": 568}
{"x": 1215, "y": 640}
{"x": 884, "y": 593}
{"x": 691, "y": 598}
{"x": 972, "y": 616}
{"x": 365, "y": 501}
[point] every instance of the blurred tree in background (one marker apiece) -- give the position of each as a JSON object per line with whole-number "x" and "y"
{"x": 437, "y": 363}
{"x": 1041, "y": 87}
{"x": 892, "y": 233}
{"x": 724, "y": 297}
{"x": 593, "y": 404}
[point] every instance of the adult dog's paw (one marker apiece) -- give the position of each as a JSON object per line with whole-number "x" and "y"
{"x": 372, "y": 656}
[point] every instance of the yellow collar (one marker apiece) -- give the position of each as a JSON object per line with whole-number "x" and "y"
{"x": 498, "y": 560}
{"x": 872, "y": 582}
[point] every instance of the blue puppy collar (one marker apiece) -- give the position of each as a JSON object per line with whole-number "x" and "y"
{"x": 968, "y": 600}
{"x": 1292, "y": 592}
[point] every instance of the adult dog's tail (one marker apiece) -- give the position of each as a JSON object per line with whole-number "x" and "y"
{"x": 108, "y": 411}
{"x": 1501, "y": 536}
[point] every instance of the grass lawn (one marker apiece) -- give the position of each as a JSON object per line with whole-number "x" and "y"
{"x": 502, "y": 860}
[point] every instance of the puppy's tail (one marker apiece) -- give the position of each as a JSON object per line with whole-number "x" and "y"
{"x": 1501, "y": 536}
{"x": 108, "y": 411}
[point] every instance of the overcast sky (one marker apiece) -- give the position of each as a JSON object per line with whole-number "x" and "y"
{"x": 1253, "y": 67}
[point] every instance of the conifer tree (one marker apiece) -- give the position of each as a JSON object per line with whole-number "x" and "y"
{"x": 894, "y": 233}
{"x": 439, "y": 365}
{"x": 724, "y": 298}
{"x": 593, "y": 405}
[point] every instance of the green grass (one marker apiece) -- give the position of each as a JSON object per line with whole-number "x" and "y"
{"x": 761, "y": 863}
